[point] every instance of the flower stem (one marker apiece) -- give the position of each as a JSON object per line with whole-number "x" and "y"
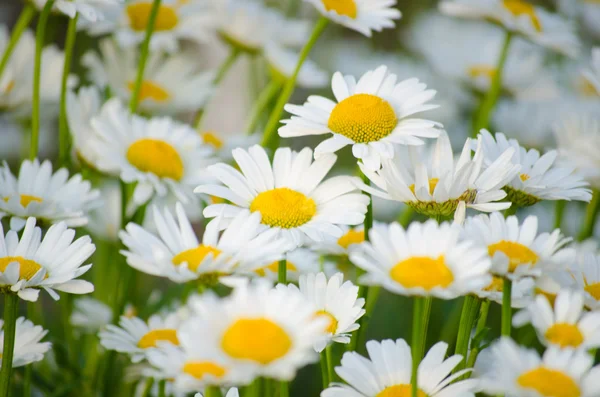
{"x": 271, "y": 128}
{"x": 506, "y": 308}
{"x": 263, "y": 100}
{"x": 17, "y": 31}
{"x": 37, "y": 69}
{"x": 422, "y": 307}
{"x": 329, "y": 355}
{"x": 481, "y": 321}
{"x": 591, "y": 215}
{"x": 282, "y": 272}
{"x": 64, "y": 139}
{"x": 467, "y": 320}
{"x": 559, "y": 211}
{"x": 284, "y": 389}
{"x": 10, "y": 323}
{"x": 148, "y": 387}
{"x": 212, "y": 391}
{"x": 135, "y": 96}
{"x": 324, "y": 370}
{"x": 162, "y": 386}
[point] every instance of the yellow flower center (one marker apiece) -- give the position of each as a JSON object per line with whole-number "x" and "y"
{"x": 400, "y": 391}
{"x": 342, "y": 7}
{"x": 363, "y": 118}
{"x": 212, "y": 139}
{"x": 524, "y": 177}
{"x": 549, "y": 383}
{"x": 139, "y": 15}
{"x": 283, "y": 207}
{"x": 27, "y": 267}
{"x": 150, "y": 90}
{"x": 594, "y": 290}
{"x": 26, "y": 199}
{"x": 496, "y": 285}
{"x": 564, "y": 335}
{"x": 432, "y": 184}
{"x": 352, "y": 237}
{"x": 199, "y": 369}
{"x": 519, "y": 7}
{"x": 256, "y": 339}
{"x": 158, "y": 335}
{"x": 476, "y": 71}
{"x": 332, "y": 321}
{"x": 517, "y": 253}
{"x": 274, "y": 267}
{"x": 194, "y": 257}
{"x": 422, "y": 271}
{"x": 157, "y": 157}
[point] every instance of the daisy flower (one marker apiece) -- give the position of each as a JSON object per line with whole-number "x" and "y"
{"x": 159, "y": 154}
{"x": 172, "y": 84}
{"x": 50, "y": 197}
{"x": 426, "y": 259}
{"x": 521, "y": 292}
{"x": 105, "y": 222}
{"x": 28, "y": 348}
{"x": 298, "y": 262}
{"x": 290, "y": 194}
{"x": 519, "y": 16}
{"x": 435, "y": 184}
{"x": 593, "y": 73}
{"x": 223, "y": 143}
{"x": 82, "y": 106}
{"x": 517, "y": 250}
{"x": 282, "y": 63}
{"x": 50, "y": 263}
{"x": 585, "y": 274}
{"x": 90, "y": 315}
{"x": 387, "y": 372}
{"x": 364, "y": 16}
{"x": 539, "y": 177}
{"x": 91, "y": 10}
{"x": 372, "y": 115}
{"x": 508, "y": 368}
{"x": 340, "y": 247}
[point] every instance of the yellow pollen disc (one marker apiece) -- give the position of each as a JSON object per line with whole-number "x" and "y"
{"x": 199, "y": 369}
{"x": 158, "y": 335}
{"x": 519, "y": 7}
{"x": 26, "y": 199}
{"x": 432, "y": 184}
{"x": 256, "y": 339}
{"x": 363, "y": 118}
{"x": 549, "y": 383}
{"x": 476, "y": 71}
{"x": 195, "y": 256}
{"x": 564, "y": 335}
{"x": 150, "y": 90}
{"x": 496, "y": 285}
{"x": 333, "y": 323}
{"x": 139, "y": 15}
{"x": 27, "y": 267}
{"x": 352, "y": 237}
{"x": 524, "y": 177}
{"x": 399, "y": 391}
{"x": 594, "y": 290}
{"x": 342, "y": 7}
{"x": 212, "y": 139}
{"x": 157, "y": 157}
{"x": 422, "y": 271}
{"x": 283, "y": 207}
{"x": 274, "y": 267}
{"x": 517, "y": 253}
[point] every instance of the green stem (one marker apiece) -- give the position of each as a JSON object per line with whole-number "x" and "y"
{"x": 284, "y": 389}
{"x": 559, "y": 211}
{"x": 329, "y": 354}
{"x": 510, "y": 210}
{"x": 371, "y": 302}
{"x": 406, "y": 216}
{"x": 591, "y": 215}
{"x": 422, "y": 307}
{"x": 282, "y": 272}
{"x": 11, "y": 302}
{"x": 271, "y": 128}
{"x": 467, "y": 320}
{"x": 135, "y": 96}
{"x": 212, "y": 391}
{"x": 488, "y": 103}
{"x": 17, "y": 31}
{"x": 64, "y": 138}
{"x": 481, "y": 321}
{"x": 254, "y": 389}
{"x": 66, "y": 307}
{"x": 148, "y": 387}
{"x": 324, "y": 370}
{"x": 27, "y": 381}
{"x": 162, "y": 387}
{"x": 263, "y": 100}
{"x": 37, "y": 69}
{"x": 506, "y": 308}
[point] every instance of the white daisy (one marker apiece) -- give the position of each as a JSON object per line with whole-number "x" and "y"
{"x": 105, "y": 222}
{"x": 426, "y": 259}
{"x": 521, "y": 292}
{"x": 289, "y": 194}
{"x": 364, "y": 16}
{"x": 436, "y": 184}
{"x": 298, "y": 262}
{"x": 372, "y": 115}
{"x": 282, "y": 63}
{"x": 593, "y": 73}
{"x": 520, "y": 17}
{"x": 585, "y": 274}
{"x": 340, "y": 247}
{"x": 539, "y": 178}
{"x": 27, "y": 348}
{"x": 517, "y": 371}
{"x": 91, "y": 10}
{"x": 90, "y": 315}
{"x": 517, "y": 250}
{"x": 160, "y": 154}
{"x": 223, "y": 143}
{"x": 81, "y": 108}
{"x": 52, "y": 263}
{"x": 387, "y": 372}
{"x": 50, "y": 197}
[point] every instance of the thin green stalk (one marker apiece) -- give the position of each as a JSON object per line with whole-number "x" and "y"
{"x": 506, "y": 308}
{"x": 27, "y": 381}
{"x": 418, "y": 340}
{"x": 37, "y": 73}
{"x": 271, "y": 128}
{"x": 64, "y": 138}
{"x": 284, "y": 389}
{"x": 66, "y": 307}
{"x": 11, "y": 302}
{"x": 559, "y": 211}
{"x": 263, "y": 100}
{"x": 406, "y": 216}
{"x": 212, "y": 391}
{"x": 329, "y": 354}
{"x": 587, "y": 229}
{"x": 135, "y": 96}
{"x": 488, "y": 103}
{"x": 510, "y": 210}
{"x": 147, "y": 387}
{"x": 428, "y": 301}
{"x": 324, "y": 369}
{"x": 481, "y": 322}
{"x": 371, "y": 302}
{"x": 17, "y": 31}
{"x": 254, "y": 389}
{"x": 282, "y": 272}
{"x": 467, "y": 320}
{"x": 162, "y": 387}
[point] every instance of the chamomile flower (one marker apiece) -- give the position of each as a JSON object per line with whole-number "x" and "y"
{"x": 593, "y": 73}
{"x": 426, "y": 259}
{"x": 340, "y": 247}
{"x": 521, "y": 292}
{"x": 387, "y": 372}
{"x": 298, "y": 262}
{"x": 290, "y": 194}
{"x": 82, "y": 106}
{"x": 50, "y": 263}
{"x": 160, "y": 154}
{"x": 372, "y": 115}
{"x": 517, "y": 250}
{"x": 90, "y": 315}
{"x": 50, "y": 197}
{"x": 508, "y": 368}
{"x": 91, "y": 10}
{"x": 223, "y": 143}
{"x": 282, "y": 63}
{"x": 364, "y": 16}
{"x": 519, "y": 16}
{"x": 539, "y": 177}
{"x": 28, "y": 348}
{"x": 436, "y": 184}
{"x": 172, "y": 84}
{"x": 585, "y": 273}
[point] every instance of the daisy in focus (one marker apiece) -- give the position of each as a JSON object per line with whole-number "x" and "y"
{"x": 91, "y": 10}
{"x": 388, "y": 373}
{"x": 290, "y": 194}
{"x": 372, "y": 115}
{"x": 426, "y": 259}
{"x": 28, "y": 347}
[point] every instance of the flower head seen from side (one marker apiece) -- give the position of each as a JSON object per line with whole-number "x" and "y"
{"x": 223, "y": 143}
{"x": 90, "y": 315}
{"x": 340, "y": 247}
{"x": 426, "y": 259}
{"x": 82, "y": 106}
{"x": 298, "y": 262}
{"x": 51, "y": 263}
{"x": 91, "y": 10}
{"x": 364, "y": 16}
{"x": 585, "y": 274}
{"x": 28, "y": 347}
{"x": 373, "y": 115}
{"x": 521, "y": 293}
{"x": 387, "y": 372}
{"x": 290, "y": 193}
